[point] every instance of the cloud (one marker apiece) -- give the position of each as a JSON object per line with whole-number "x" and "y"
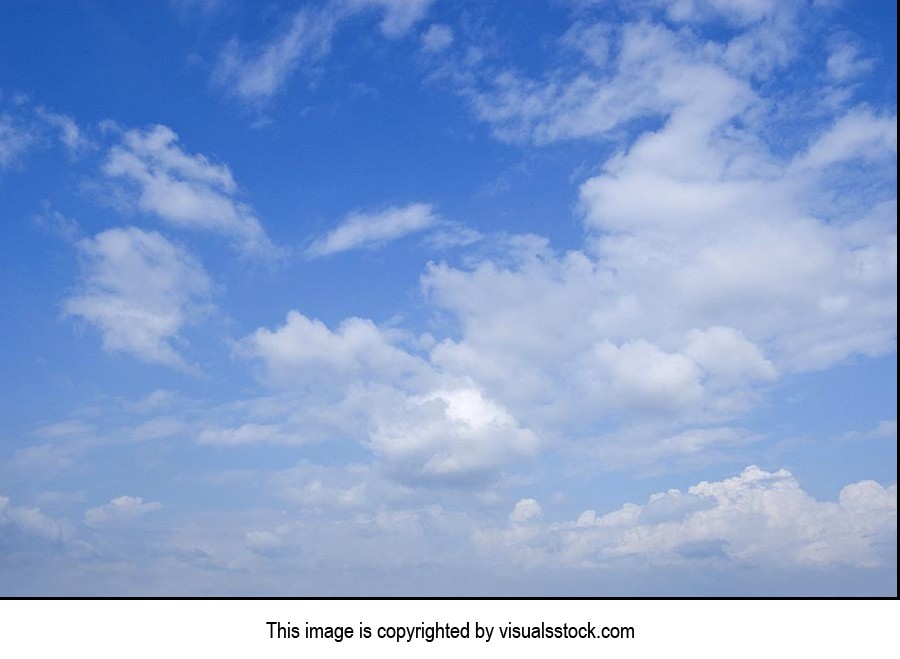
{"x": 257, "y": 73}
{"x": 120, "y": 509}
{"x": 31, "y": 522}
{"x": 437, "y": 38}
{"x": 258, "y": 76}
{"x": 26, "y": 127}
{"x": 187, "y": 191}
{"x": 857, "y": 135}
{"x": 139, "y": 290}
{"x": 249, "y": 433}
{"x": 450, "y": 436}
{"x": 526, "y": 510}
{"x": 844, "y": 62}
{"x": 584, "y": 364}
{"x": 371, "y": 230}
{"x": 69, "y": 133}
{"x": 422, "y": 425}
{"x": 14, "y": 141}
{"x": 737, "y": 12}
{"x": 747, "y": 262}
{"x": 336, "y": 491}
{"x": 399, "y": 15}
{"x": 654, "y": 70}
{"x": 305, "y": 351}
{"x": 56, "y": 223}
{"x": 682, "y": 307}
{"x": 884, "y": 430}
{"x": 756, "y": 518}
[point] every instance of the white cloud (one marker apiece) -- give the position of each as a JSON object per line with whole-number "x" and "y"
{"x": 437, "y": 38}
{"x": 659, "y": 445}
{"x": 421, "y": 424}
{"x": 745, "y": 262}
{"x": 844, "y": 62}
{"x": 304, "y": 351}
{"x": 139, "y": 290}
{"x": 655, "y": 71}
{"x": 583, "y": 364}
{"x": 399, "y": 15}
{"x": 756, "y": 518}
{"x": 726, "y": 354}
{"x": 26, "y": 127}
{"x": 370, "y": 230}
{"x": 187, "y": 191}
{"x": 249, "y": 433}
{"x": 55, "y": 222}
{"x": 69, "y": 132}
{"x": 649, "y": 379}
{"x": 120, "y": 509}
{"x": 526, "y": 510}
{"x": 14, "y": 141}
{"x": 31, "y": 521}
{"x": 884, "y": 430}
{"x": 739, "y": 12}
{"x": 859, "y": 134}
{"x": 450, "y": 435}
{"x": 261, "y": 74}
{"x": 344, "y": 490}
{"x": 592, "y": 40}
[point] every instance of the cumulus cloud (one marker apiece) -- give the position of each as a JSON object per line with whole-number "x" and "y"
{"x": 454, "y": 435}
{"x": 526, "y": 510}
{"x": 422, "y": 424}
{"x": 579, "y": 367}
{"x": 683, "y": 305}
{"x": 370, "y": 230}
{"x": 185, "y": 190}
{"x": 305, "y": 351}
{"x": 139, "y": 290}
{"x": 756, "y": 518}
{"x": 120, "y": 509}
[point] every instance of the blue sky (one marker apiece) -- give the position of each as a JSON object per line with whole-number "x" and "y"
{"x": 384, "y": 297}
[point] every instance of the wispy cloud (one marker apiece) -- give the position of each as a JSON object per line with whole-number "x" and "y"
{"x": 120, "y": 509}
{"x": 260, "y": 73}
{"x": 437, "y": 38}
{"x": 884, "y": 430}
{"x": 14, "y": 141}
{"x": 361, "y": 230}
{"x": 257, "y": 72}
